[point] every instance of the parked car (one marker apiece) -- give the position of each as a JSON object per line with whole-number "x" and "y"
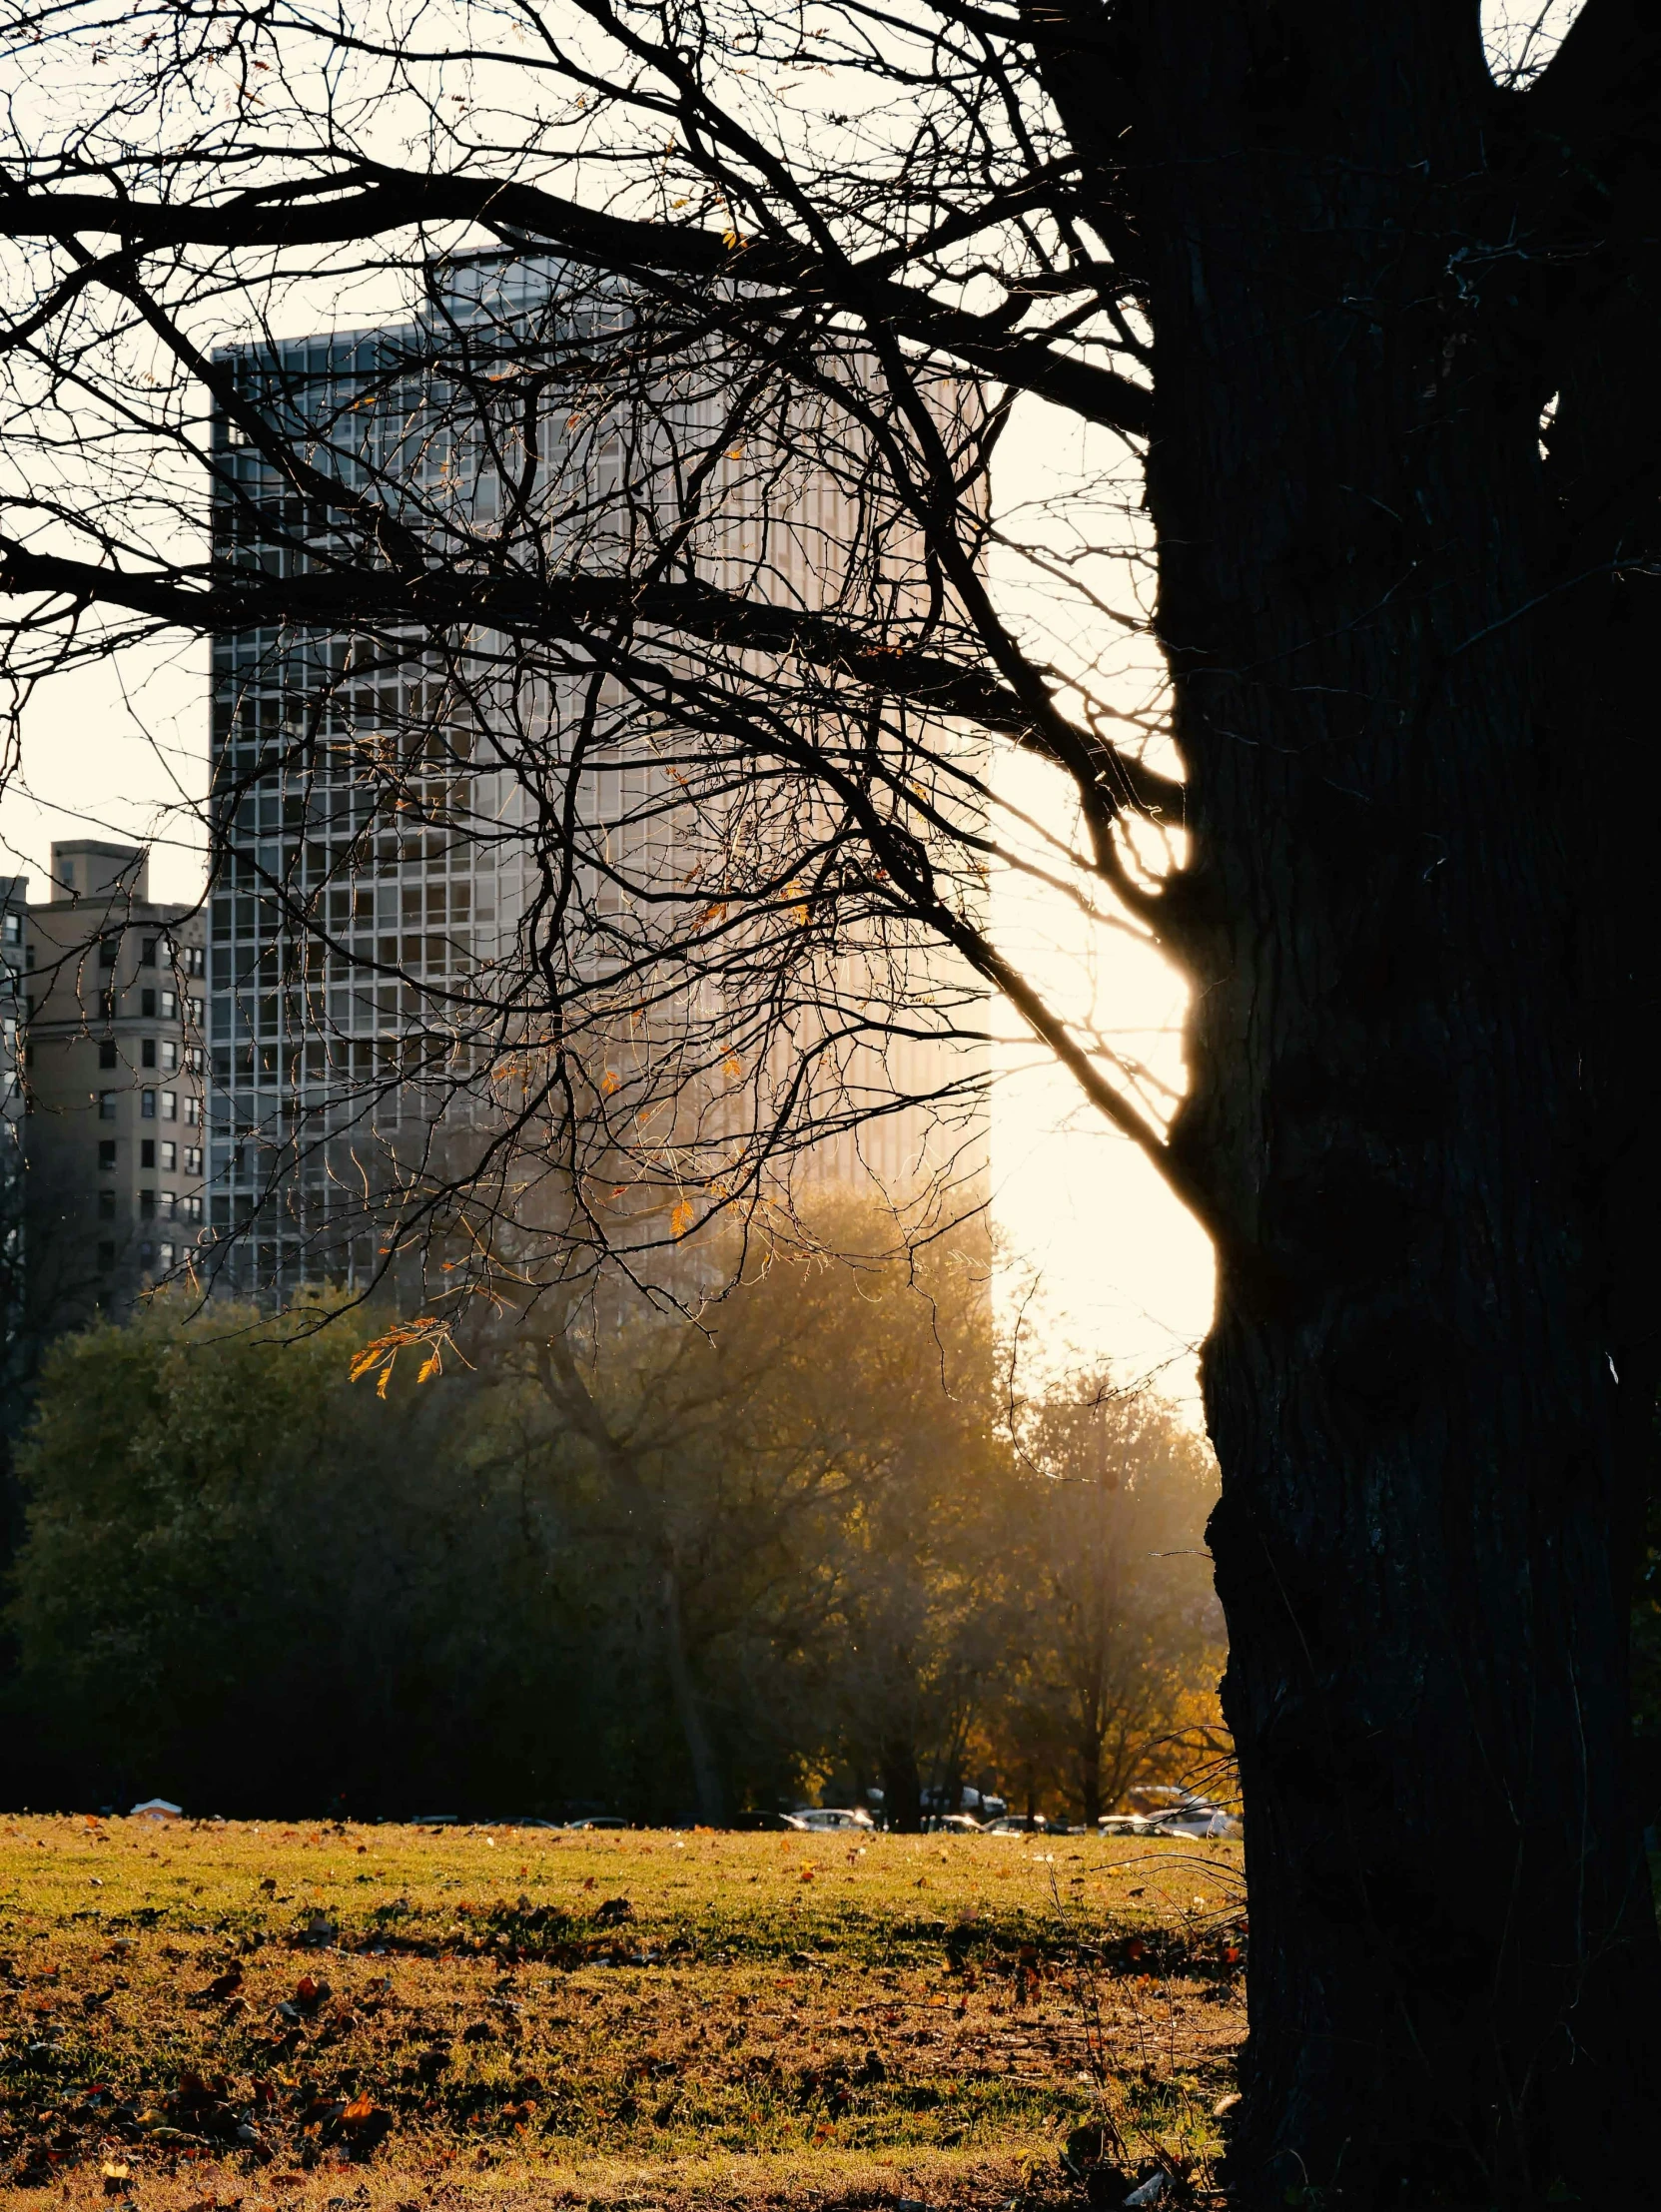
{"x": 1171, "y": 1812}
{"x": 1194, "y": 1818}
{"x": 814, "y": 1817}
{"x": 951, "y": 1824}
{"x": 599, "y": 1819}
{"x": 1150, "y": 1799}
{"x": 1200, "y": 1820}
{"x": 978, "y": 1804}
{"x": 1018, "y": 1824}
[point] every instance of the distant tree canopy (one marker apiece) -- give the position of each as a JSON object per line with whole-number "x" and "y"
{"x": 1124, "y": 1617}
{"x": 664, "y": 1569}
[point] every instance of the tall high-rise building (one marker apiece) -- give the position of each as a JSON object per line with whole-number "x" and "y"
{"x": 355, "y": 896}
{"x": 396, "y": 886}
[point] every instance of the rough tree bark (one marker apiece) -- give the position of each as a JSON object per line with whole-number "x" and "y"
{"x": 1408, "y": 1057}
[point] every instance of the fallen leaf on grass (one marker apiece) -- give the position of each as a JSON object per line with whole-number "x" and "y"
{"x": 367, "y": 2124}
{"x": 221, "y": 1986}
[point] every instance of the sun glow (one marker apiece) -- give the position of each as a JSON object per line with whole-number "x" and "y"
{"x": 1109, "y": 1263}
{"x": 1123, "y": 1273}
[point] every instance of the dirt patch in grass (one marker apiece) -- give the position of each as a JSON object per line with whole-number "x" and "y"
{"x": 382, "y": 2019}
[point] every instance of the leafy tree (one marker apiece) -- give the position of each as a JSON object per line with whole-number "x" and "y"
{"x": 805, "y": 1481}
{"x": 244, "y": 1584}
{"x": 1123, "y": 1628}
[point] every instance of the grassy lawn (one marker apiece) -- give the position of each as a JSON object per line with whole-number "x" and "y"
{"x": 209, "y": 2014}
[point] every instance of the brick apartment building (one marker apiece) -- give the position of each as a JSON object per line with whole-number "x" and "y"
{"x": 114, "y": 1084}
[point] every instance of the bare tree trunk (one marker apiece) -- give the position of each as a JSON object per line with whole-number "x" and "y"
{"x": 901, "y": 1786}
{"x": 1091, "y": 1799}
{"x": 1090, "y": 1754}
{"x": 700, "y": 1751}
{"x": 1423, "y": 1542}
{"x": 564, "y": 1384}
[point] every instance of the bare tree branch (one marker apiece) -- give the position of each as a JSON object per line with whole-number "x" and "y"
{"x": 360, "y": 204}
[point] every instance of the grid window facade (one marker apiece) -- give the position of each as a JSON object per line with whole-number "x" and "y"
{"x": 329, "y": 877}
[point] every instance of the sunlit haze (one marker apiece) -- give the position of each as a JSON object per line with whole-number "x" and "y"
{"x": 1123, "y": 1275}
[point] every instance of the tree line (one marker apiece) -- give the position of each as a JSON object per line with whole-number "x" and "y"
{"x": 802, "y": 1546}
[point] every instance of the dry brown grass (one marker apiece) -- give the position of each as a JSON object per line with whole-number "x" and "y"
{"x": 768, "y": 2021}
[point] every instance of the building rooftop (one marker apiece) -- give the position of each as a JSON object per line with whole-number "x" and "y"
{"x": 85, "y": 869}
